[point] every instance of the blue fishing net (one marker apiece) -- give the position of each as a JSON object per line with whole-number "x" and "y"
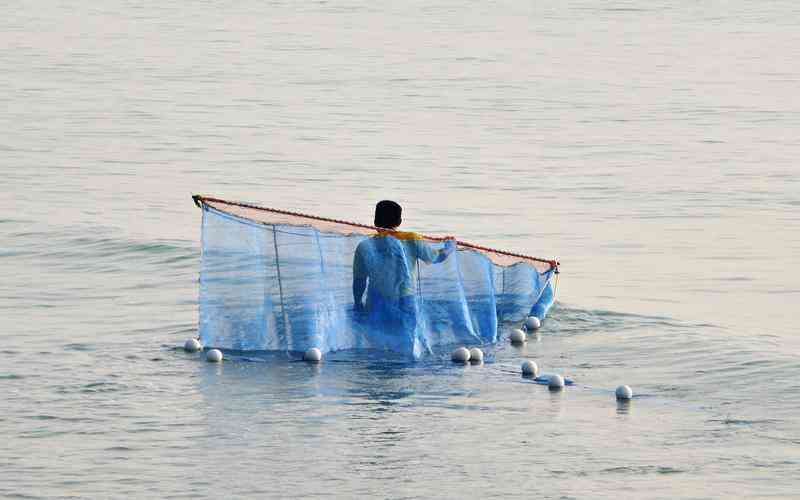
{"x": 272, "y": 281}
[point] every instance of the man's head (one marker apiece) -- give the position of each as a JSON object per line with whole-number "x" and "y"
{"x": 388, "y": 214}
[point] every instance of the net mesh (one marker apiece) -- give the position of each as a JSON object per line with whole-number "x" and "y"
{"x": 272, "y": 280}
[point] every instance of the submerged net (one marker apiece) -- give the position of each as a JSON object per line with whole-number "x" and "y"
{"x": 272, "y": 280}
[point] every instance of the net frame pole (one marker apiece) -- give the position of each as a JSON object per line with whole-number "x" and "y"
{"x": 284, "y": 319}
{"x": 200, "y": 199}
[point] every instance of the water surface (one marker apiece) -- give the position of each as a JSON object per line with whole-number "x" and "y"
{"x": 651, "y": 147}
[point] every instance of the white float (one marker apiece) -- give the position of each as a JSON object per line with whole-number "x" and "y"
{"x": 624, "y": 392}
{"x": 475, "y": 355}
{"x": 529, "y": 368}
{"x": 532, "y": 323}
{"x": 214, "y": 356}
{"x": 313, "y": 355}
{"x": 192, "y": 345}
{"x": 517, "y": 336}
{"x": 460, "y": 355}
{"x": 556, "y": 382}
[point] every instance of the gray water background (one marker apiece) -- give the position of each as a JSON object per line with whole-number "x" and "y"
{"x": 650, "y": 146}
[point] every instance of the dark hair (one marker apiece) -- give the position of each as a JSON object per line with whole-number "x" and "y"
{"x": 388, "y": 214}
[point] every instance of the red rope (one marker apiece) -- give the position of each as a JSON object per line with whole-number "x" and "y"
{"x": 200, "y": 198}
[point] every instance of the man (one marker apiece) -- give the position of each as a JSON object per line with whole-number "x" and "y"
{"x": 386, "y": 267}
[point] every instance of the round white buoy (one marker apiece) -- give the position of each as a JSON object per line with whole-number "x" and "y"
{"x": 475, "y": 355}
{"x": 313, "y": 355}
{"x": 624, "y": 392}
{"x": 517, "y": 336}
{"x": 533, "y": 323}
{"x": 460, "y": 355}
{"x": 529, "y": 368}
{"x": 556, "y": 382}
{"x": 214, "y": 356}
{"x": 192, "y": 345}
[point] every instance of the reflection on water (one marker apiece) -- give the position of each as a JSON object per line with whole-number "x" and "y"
{"x": 623, "y": 407}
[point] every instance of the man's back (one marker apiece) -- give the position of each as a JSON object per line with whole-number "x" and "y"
{"x": 389, "y": 261}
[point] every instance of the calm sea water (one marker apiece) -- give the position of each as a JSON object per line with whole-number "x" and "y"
{"x": 650, "y": 146}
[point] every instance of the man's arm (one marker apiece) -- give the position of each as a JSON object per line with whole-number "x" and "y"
{"x": 359, "y": 285}
{"x": 359, "y": 280}
{"x": 431, "y": 256}
{"x": 444, "y": 253}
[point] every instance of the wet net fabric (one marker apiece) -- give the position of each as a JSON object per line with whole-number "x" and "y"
{"x": 283, "y": 284}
